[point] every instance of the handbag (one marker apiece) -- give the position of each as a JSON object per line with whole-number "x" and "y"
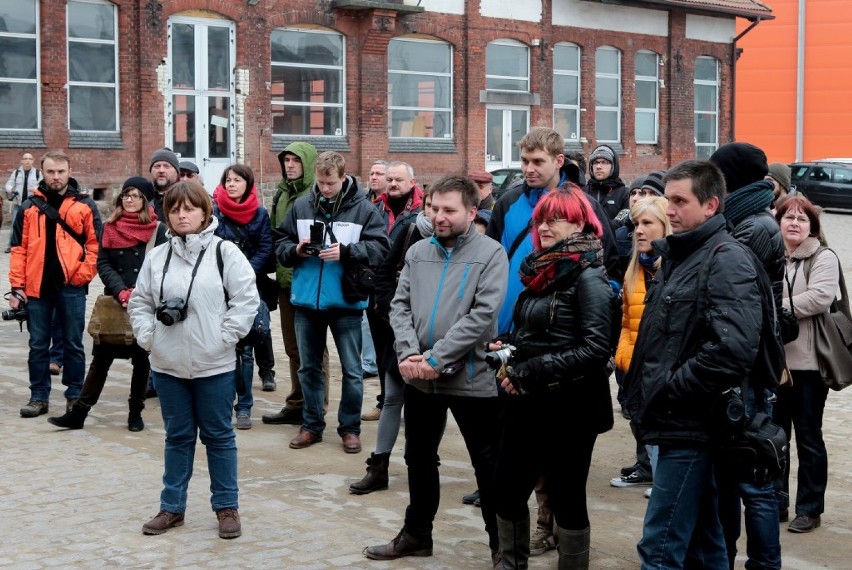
{"x": 109, "y": 323}
{"x": 833, "y": 339}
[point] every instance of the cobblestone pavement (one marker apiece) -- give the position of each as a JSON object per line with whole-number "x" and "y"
{"x": 77, "y": 499}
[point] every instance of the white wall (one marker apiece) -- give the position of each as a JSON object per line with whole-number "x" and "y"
{"x": 526, "y": 10}
{"x": 607, "y": 17}
{"x": 710, "y": 29}
{"x": 445, "y": 6}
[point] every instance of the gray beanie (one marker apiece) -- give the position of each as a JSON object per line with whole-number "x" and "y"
{"x": 654, "y": 181}
{"x": 781, "y": 173}
{"x": 165, "y": 155}
{"x": 603, "y": 152}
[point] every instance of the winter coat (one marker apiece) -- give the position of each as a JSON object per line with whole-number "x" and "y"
{"x": 387, "y": 275}
{"x": 565, "y": 330}
{"x": 204, "y": 343}
{"x": 674, "y": 385}
{"x": 15, "y": 191}
{"x": 611, "y": 193}
{"x": 397, "y": 224}
{"x": 254, "y": 238}
{"x": 631, "y": 315}
{"x": 812, "y": 295}
{"x": 286, "y": 195}
{"x": 445, "y": 308}
{"x": 119, "y": 268}
{"x": 356, "y": 225}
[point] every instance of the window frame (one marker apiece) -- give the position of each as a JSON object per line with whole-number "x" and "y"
{"x": 655, "y": 111}
{"x": 510, "y": 43}
{"x": 90, "y": 41}
{"x": 715, "y": 144}
{"x": 605, "y": 108}
{"x": 36, "y": 37}
{"x": 308, "y": 104}
{"x": 416, "y": 109}
{"x": 569, "y": 73}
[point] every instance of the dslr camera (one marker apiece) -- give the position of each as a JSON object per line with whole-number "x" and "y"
{"x": 171, "y": 311}
{"x": 503, "y": 355}
{"x": 20, "y": 314}
{"x": 314, "y": 247}
{"x": 733, "y": 407}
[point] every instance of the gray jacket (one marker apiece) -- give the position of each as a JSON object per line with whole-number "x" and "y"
{"x": 446, "y": 307}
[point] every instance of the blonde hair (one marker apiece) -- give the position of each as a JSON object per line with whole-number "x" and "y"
{"x": 331, "y": 162}
{"x": 656, "y": 206}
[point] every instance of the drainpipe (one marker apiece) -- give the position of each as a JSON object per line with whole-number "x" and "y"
{"x": 735, "y": 55}
{"x": 800, "y": 83}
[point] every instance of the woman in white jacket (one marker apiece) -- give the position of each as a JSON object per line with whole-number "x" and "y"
{"x": 190, "y": 318}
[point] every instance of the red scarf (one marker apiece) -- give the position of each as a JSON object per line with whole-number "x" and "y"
{"x": 127, "y": 230}
{"x": 240, "y": 212}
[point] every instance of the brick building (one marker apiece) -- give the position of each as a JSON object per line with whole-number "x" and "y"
{"x": 445, "y": 85}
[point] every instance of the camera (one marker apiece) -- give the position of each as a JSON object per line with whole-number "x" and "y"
{"x": 20, "y": 314}
{"x": 733, "y": 406}
{"x": 171, "y": 311}
{"x": 314, "y": 247}
{"x": 501, "y": 356}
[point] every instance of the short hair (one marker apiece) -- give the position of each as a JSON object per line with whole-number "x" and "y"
{"x": 543, "y": 138}
{"x": 331, "y": 162}
{"x": 806, "y": 206}
{"x": 656, "y": 206}
{"x": 144, "y": 214}
{"x": 578, "y": 157}
{"x": 408, "y": 170}
{"x": 570, "y": 203}
{"x": 187, "y": 191}
{"x": 243, "y": 172}
{"x": 707, "y": 180}
{"x": 380, "y": 162}
{"x": 457, "y": 183}
{"x": 56, "y": 156}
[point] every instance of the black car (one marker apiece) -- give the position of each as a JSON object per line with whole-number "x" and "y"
{"x": 504, "y": 178}
{"x": 827, "y": 184}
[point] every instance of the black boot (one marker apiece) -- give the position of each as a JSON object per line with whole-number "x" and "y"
{"x": 573, "y": 548}
{"x": 73, "y": 418}
{"x": 376, "y": 478}
{"x": 134, "y": 418}
{"x": 514, "y": 542}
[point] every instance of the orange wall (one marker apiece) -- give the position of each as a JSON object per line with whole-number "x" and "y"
{"x": 766, "y": 82}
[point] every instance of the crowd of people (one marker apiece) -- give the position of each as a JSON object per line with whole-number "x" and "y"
{"x": 511, "y": 313}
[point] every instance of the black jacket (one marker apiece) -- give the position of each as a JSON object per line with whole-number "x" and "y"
{"x": 562, "y": 335}
{"x": 119, "y": 268}
{"x": 674, "y": 391}
{"x": 761, "y": 234}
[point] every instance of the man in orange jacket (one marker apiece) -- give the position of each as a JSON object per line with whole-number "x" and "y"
{"x": 54, "y": 257}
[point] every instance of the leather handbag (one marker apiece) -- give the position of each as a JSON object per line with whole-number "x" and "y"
{"x": 109, "y": 323}
{"x": 833, "y": 341}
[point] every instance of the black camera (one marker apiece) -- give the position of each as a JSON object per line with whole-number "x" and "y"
{"x": 171, "y": 311}
{"x": 20, "y": 314}
{"x": 314, "y": 247}
{"x": 733, "y": 406}
{"x": 501, "y": 356}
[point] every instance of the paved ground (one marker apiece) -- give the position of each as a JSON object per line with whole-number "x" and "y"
{"x": 77, "y": 499}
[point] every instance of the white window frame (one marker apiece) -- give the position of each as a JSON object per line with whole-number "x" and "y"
{"x": 715, "y": 113}
{"x": 525, "y": 79}
{"x": 569, "y": 72}
{"x": 652, "y": 111}
{"x": 341, "y": 68}
{"x": 114, "y": 43}
{"x": 37, "y": 81}
{"x": 604, "y": 108}
{"x": 449, "y": 75}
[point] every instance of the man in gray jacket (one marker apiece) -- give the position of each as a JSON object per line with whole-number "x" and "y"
{"x": 444, "y": 312}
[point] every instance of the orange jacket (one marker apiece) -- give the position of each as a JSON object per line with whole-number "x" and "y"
{"x": 631, "y": 314}
{"x": 79, "y": 264}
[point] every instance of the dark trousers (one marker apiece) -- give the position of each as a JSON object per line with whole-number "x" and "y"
{"x": 102, "y": 357}
{"x": 425, "y": 418}
{"x": 383, "y": 338}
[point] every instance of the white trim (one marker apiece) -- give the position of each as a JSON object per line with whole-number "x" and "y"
{"x": 605, "y": 108}
{"x": 655, "y": 110}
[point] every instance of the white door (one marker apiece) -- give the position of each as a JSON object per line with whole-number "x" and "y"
{"x": 504, "y": 127}
{"x": 201, "y": 94}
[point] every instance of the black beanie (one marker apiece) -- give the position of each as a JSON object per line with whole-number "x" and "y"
{"x": 654, "y": 181}
{"x": 741, "y": 164}
{"x": 142, "y": 184}
{"x": 165, "y": 155}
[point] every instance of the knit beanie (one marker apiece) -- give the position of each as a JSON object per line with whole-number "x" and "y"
{"x": 603, "y": 152}
{"x": 142, "y": 184}
{"x": 166, "y": 155}
{"x": 654, "y": 181}
{"x": 741, "y": 164}
{"x": 780, "y": 172}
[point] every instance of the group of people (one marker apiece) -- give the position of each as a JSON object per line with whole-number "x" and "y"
{"x": 510, "y": 313}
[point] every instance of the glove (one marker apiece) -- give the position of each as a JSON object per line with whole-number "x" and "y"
{"x": 124, "y": 296}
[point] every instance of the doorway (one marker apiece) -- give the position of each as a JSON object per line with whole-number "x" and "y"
{"x": 504, "y": 127}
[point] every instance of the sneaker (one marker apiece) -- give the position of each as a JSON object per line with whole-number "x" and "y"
{"x": 268, "y": 383}
{"x": 372, "y": 415}
{"x": 33, "y": 409}
{"x": 541, "y": 541}
{"x": 243, "y": 421}
{"x": 471, "y": 498}
{"x": 229, "y": 523}
{"x": 638, "y": 477}
{"x": 162, "y": 522}
{"x": 628, "y": 469}
{"x": 55, "y": 369}
{"x": 648, "y": 493}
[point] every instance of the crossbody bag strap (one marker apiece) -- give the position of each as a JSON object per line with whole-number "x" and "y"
{"x": 519, "y": 239}
{"x": 54, "y": 215}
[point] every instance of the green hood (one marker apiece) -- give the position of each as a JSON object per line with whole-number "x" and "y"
{"x": 288, "y": 191}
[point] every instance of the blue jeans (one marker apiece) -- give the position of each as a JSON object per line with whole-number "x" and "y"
{"x": 70, "y": 306}
{"x": 311, "y": 331}
{"x": 190, "y": 408}
{"x": 682, "y": 520}
{"x": 57, "y": 344}
{"x": 246, "y": 400}
{"x": 368, "y": 350}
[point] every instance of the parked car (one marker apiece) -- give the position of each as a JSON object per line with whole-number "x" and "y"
{"x": 826, "y": 184}
{"x": 504, "y": 178}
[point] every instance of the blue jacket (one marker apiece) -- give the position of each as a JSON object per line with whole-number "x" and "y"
{"x": 254, "y": 239}
{"x": 356, "y": 225}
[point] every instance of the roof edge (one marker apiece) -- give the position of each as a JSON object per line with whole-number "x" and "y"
{"x": 752, "y": 15}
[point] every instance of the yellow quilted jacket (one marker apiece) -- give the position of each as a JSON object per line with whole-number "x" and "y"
{"x": 633, "y": 307}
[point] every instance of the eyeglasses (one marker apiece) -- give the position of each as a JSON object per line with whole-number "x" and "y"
{"x": 551, "y": 222}
{"x": 187, "y": 174}
{"x": 131, "y": 196}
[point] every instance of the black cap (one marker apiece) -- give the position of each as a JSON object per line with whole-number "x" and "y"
{"x": 142, "y": 184}
{"x": 188, "y": 166}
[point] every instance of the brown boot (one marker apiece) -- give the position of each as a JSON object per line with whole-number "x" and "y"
{"x": 229, "y": 523}
{"x": 162, "y": 522}
{"x": 403, "y": 545}
{"x": 376, "y": 478}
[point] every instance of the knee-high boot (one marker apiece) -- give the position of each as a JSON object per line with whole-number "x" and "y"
{"x": 514, "y": 538}
{"x": 573, "y": 548}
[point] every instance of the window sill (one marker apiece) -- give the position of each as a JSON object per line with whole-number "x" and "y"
{"x": 21, "y": 139}
{"x": 110, "y": 141}
{"x": 432, "y": 146}
{"x": 339, "y": 144}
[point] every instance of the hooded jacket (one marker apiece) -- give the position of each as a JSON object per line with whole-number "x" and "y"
{"x": 356, "y": 225}
{"x": 288, "y": 191}
{"x": 396, "y": 224}
{"x": 203, "y": 344}
{"x": 611, "y": 193}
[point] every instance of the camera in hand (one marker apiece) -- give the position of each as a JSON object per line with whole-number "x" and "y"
{"x": 314, "y": 247}
{"x": 501, "y": 356}
{"x": 171, "y": 311}
{"x": 20, "y": 314}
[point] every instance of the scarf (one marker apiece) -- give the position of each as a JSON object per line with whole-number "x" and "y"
{"x": 241, "y": 212}
{"x": 748, "y": 200}
{"x": 562, "y": 263}
{"x": 424, "y": 224}
{"x": 127, "y": 231}
{"x": 649, "y": 261}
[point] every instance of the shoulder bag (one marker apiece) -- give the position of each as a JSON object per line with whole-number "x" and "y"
{"x": 109, "y": 323}
{"x": 833, "y": 336}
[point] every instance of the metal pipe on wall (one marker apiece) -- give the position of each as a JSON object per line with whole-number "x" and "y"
{"x": 800, "y": 82}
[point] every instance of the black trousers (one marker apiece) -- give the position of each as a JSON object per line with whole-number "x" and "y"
{"x": 102, "y": 358}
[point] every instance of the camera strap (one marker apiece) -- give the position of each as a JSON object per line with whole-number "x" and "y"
{"x": 192, "y": 279}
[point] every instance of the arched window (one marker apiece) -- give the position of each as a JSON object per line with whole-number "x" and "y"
{"x": 706, "y": 106}
{"x": 420, "y": 88}
{"x": 607, "y": 95}
{"x": 566, "y": 90}
{"x": 647, "y": 66}
{"x": 507, "y": 66}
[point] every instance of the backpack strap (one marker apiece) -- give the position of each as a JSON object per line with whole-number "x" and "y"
{"x": 220, "y": 263}
{"x": 54, "y": 216}
{"x": 519, "y": 239}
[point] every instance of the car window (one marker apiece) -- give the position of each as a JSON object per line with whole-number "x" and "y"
{"x": 819, "y": 174}
{"x": 499, "y": 177}
{"x": 798, "y": 171}
{"x": 842, "y": 175}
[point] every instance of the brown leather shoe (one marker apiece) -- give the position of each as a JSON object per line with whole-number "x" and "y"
{"x": 403, "y": 545}
{"x": 351, "y": 443}
{"x": 305, "y": 438}
{"x": 229, "y": 523}
{"x": 162, "y": 522}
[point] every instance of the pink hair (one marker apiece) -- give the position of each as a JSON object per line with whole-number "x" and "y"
{"x": 570, "y": 204}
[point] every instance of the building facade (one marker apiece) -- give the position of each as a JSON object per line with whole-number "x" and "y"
{"x": 446, "y": 85}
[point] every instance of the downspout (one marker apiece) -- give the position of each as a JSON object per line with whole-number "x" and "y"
{"x": 735, "y": 55}
{"x": 800, "y": 83}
